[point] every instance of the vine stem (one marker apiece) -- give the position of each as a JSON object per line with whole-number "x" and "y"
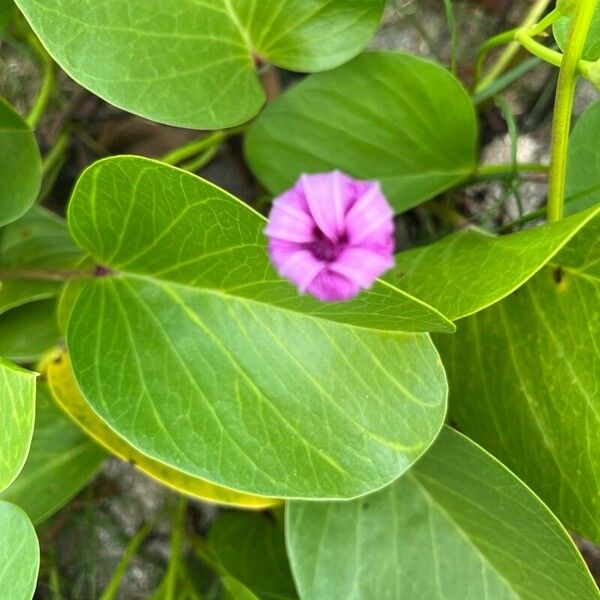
{"x": 45, "y": 91}
{"x": 563, "y": 106}
{"x": 216, "y": 138}
{"x": 537, "y": 10}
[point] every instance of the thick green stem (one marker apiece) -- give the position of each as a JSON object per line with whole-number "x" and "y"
{"x": 563, "y": 106}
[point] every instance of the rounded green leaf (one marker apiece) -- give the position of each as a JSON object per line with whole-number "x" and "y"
{"x": 194, "y": 63}
{"x": 591, "y": 50}
{"x": 392, "y": 117}
{"x": 233, "y": 377}
{"x": 17, "y": 413}
{"x": 65, "y": 392}
{"x": 28, "y": 331}
{"x": 458, "y": 525}
{"x": 583, "y": 165}
{"x": 20, "y": 165}
{"x": 19, "y": 554}
{"x": 251, "y": 548}
{"x": 62, "y": 460}
{"x": 469, "y": 270}
{"x": 38, "y": 240}
{"x": 524, "y": 381}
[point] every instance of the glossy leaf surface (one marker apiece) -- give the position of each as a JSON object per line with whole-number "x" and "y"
{"x": 17, "y": 413}
{"x": 457, "y": 526}
{"x": 232, "y": 376}
{"x": 19, "y": 554}
{"x": 191, "y": 63}
{"x": 524, "y": 381}
{"x": 387, "y": 116}
{"x": 62, "y": 460}
{"x": 583, "y": 165}
{"x": 67, "y": 395}
{"x": 251, "y": 548}
{"x": 470, "y": 269}
{"x": 20, "y": 165}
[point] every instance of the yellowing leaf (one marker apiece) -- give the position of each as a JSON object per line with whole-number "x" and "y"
{"x": 66, "y": 393}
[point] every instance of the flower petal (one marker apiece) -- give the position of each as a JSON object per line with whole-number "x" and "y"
{"x": 362, "y": 265}
{"x": 290, "y": 219}
{"x": 370, "y": 218}
{"x": 328, "y": 196}
{"x": 332, "y": 287}
{"x": 295, "y": 263}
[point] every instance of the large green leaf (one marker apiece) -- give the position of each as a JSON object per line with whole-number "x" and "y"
{"x": 387, "y": 116}
{"x": 19, "y": 554}
{"x": 229, "y": 374}
{"x": 583, "y": 165}
{"x": 193, "y": 63}
{"x": 251, "y": 548}
{"x": 17, "y": 414}
{"x": 62, "y": 460}
{"x": 64, "y": 389}
{"x": 471, "y": 269}
{"x": 28, "y": 331}
{"x": 38, "y": 240}
{"x": 524, "y": 381}
{"x": 591, "y": 50}
{"x": 20, "y": 165}
{"x": 457, "y": 526}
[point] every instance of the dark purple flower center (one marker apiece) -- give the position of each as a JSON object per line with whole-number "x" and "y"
{"x": 324, "y": 249}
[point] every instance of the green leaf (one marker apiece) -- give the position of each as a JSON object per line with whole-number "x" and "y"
{"x": 61, "y": 462}
{"x": 458, "y": 525}
{"x": 524, "y": 381}
{"x": 591, "y": 50}
{"x": 251, "y": 548}
{"x": 583, "y": 165}
{"x": 470, "y": 269}
{"x": 17, "y": 413}
{"x": 234, "y": 590}
{"x": 19, "y": 554}
{"x": 28, "y": 331}
{"x": 67, "y": 395}
{"x": 392, "y": 117}
{"x": 232, "y": 376}
{"x": 6, "y": 12}
{"x": 20, "y": 165}
{"x": 199, "y": 236}
{"x": 190, "y": 63}
{"x": 38, "y": 240}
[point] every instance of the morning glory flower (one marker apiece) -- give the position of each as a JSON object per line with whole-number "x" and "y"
{"x": 331, "y": 235}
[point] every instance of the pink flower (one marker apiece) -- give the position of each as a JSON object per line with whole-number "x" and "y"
{"x": 331, "y": 235}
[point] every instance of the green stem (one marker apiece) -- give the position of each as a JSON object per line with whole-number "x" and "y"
{"x": 111, "y": 590}
{"x": 45, "y": 91}
{"x": 453, "y": 35}
{"x": 57, "y": 152}
{"x": 534, "y": 47}
{"x": 506, "y": 171}
{"x": 202, "y": 160}
{"x": 537, "y": 10}
{"x": 177, "y": 531}
{"x": 45, "y": 274}
{"x": 198, "y": 146}
{"x": 563, "y": 106}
